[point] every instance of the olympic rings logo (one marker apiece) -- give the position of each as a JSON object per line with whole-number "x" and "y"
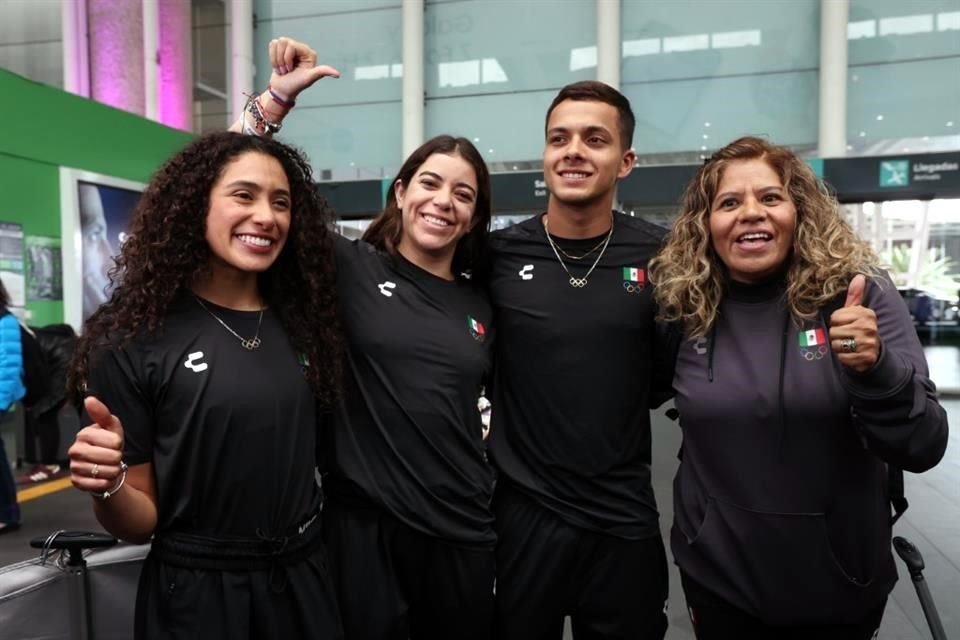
{"x": 631, "y": 287}
{"x": 811, "y": 355}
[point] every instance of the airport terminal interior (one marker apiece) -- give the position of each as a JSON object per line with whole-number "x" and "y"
{"x": 100, "y": 93}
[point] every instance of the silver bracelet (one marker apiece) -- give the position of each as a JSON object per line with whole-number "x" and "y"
{"x": 109, "y": 492}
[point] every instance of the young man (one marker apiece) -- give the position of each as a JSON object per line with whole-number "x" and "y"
{"x": 576, "y": 516}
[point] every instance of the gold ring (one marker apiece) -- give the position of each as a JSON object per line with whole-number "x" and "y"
{"x": 94, "y": 471}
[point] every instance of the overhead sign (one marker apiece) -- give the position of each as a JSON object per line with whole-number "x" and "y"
{"x": 905, "y": 177}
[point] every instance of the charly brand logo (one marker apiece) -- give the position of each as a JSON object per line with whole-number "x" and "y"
{"x": 894, "y": 173}
{"x": 193, "y": 362}
{"x": 700, "y": 346}
{"x": 526, "y": 273}
{"x": 386, "y": 288}
{"x": 634, "y": 279}
{"x": 477, "y": 329}
{"x": 813, "y": 344}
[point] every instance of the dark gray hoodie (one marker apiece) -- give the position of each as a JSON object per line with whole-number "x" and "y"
{"x": 781, "y": 499}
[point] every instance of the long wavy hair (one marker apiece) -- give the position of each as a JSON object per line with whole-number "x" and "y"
{"x": 386, "y": 230}
{"x": 690, "y": 278}
{"x": 167, "y": 251}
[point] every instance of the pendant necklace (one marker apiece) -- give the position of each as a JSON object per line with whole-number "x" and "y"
{"x": 575, "y": 282}
{"x": 250, "y": 344}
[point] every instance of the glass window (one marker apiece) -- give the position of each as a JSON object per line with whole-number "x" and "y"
{"x": 491, "y": 68}
{"x": 903, "y": 86}
{"x": 700, "y": 74}
{"x": 31, "y": 40}
{"x": 350, "y": 127}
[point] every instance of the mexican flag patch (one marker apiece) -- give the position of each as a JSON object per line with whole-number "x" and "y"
{"x": 634, "y": 274}
{"x": 811, "y": 338}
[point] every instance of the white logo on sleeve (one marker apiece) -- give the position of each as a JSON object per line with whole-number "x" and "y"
{"x": 193, "y": 362}
{"x": 526, "y": 273}
{"x": 386, "y": 288}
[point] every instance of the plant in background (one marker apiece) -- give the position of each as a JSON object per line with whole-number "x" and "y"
{"x": 937, "y": 276}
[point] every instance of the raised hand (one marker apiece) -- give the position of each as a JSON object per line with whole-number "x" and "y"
{"x": 295, "y": 68}
{"x": 96, "y": 453}
{"x": 853, "y": 330}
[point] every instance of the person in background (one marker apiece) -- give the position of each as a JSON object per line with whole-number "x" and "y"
{"x": 798, "y": 379}
{"x": 55, "y": 345}
{"x": 207, "y": 371}
{"x": 12, "y": 389}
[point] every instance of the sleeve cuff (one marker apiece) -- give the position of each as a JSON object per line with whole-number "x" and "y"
{"x": 886, "y": 378}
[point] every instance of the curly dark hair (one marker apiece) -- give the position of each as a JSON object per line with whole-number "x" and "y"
{"x": 387, "y": 228}
{"x": 167, "y": 251}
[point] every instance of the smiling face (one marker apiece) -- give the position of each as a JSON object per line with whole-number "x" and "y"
{"x": 437, "y": 208}
{"x": 752, "y": 220}
{"x": 584, "y": 156}
{"x": 249, "y": 215}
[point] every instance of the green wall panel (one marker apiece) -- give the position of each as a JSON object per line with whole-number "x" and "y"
{"x": 47, "y": 129}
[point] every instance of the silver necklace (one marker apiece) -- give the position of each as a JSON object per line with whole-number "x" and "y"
{"x": 594, "y": 248}
{"x": 577, "y": 283}
{"x": 249, "y": 344}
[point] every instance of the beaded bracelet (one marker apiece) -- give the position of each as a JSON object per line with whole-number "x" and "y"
{"x": 261, "y": 126}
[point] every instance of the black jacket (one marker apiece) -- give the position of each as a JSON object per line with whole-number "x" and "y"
{"x": 56, "y": 343}
{"x": 782, "y": 498}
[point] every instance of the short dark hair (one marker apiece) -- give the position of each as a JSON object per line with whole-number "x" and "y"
{"x": 387, "y": 228}
{"x": 594, "y": 91}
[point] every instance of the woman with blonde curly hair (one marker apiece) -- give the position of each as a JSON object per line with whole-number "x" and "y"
{"x": 798, "y": 377}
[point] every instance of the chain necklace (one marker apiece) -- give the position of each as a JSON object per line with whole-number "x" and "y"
{"x": 250, "y": 344}
{"x": 577, "y": 283}
{"x": 594, "y": 248}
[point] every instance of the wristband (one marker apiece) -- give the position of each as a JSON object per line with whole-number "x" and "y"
{"x": 285, "y": 103}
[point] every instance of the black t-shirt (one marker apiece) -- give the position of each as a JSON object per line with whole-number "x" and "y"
{"x": 408, "y": 435}
{"x": 570, "y": 419}
{"x": 232, "y": 433}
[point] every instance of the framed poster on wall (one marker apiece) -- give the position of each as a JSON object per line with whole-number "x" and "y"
{"x": 11, "y": 264}
{"x": 44, "y": 269}
{"x": 95, "y": 211}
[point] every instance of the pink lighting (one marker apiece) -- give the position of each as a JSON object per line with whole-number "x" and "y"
{"x": 116, "y": 46}
{"x": 176, "y": 76}
{"x": 116, "y": 58}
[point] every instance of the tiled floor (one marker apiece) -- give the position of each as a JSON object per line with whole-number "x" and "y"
{"x": 932, "y": 524}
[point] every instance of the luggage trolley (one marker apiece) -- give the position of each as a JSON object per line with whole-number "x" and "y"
{"x": 73, "y": 544}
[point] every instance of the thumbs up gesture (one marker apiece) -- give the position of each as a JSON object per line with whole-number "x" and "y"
{"x": 295, "y": 67}
{"x": 853, "y": 330}
{"x": 96, "y": 453}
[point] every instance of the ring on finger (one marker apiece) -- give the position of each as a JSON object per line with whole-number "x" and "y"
{"x": 95, "y": 471}
{"x": 849, "y": 345}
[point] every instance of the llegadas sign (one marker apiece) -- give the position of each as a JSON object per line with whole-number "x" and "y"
{"x": 903, "y": 172}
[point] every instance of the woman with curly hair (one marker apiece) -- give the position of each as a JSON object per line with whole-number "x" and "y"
{"x": 205, "y": 374}
{"x": 798, "y": 379}
{"x": 407, "y": 515}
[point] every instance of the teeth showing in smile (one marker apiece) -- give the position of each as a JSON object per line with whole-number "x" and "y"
{"x": 440, "y": 222}
{"x": 256, "y": 241}
{"x": 747, "y": 237}
{"x": 573, "y": 174}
